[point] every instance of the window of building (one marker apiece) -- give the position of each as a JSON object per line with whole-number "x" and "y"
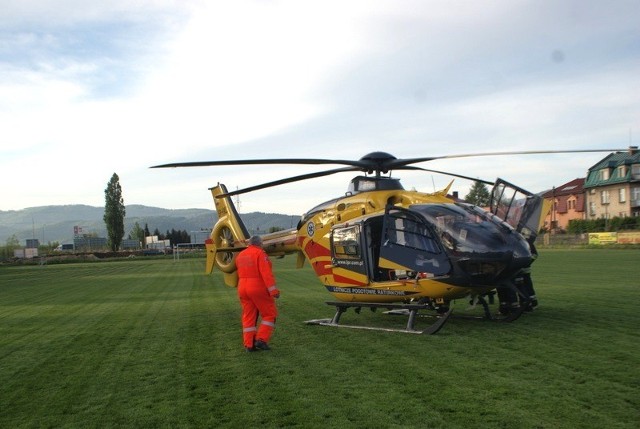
{"x": 604, "y": 174}
{"x": 592, "y": 208}
{"x": 635, "y": 193}
{"x": 622, "y": 195}
{"x": 604, "y": 197}
{"x": 622, "y": 171}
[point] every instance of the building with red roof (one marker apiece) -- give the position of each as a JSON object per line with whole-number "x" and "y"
{"x": 567, "y": 203}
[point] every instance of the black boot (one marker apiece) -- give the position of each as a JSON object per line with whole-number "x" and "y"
{"x": 261, "y": 345}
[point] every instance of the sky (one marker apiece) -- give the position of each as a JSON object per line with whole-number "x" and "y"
{"x": 91, "y": 88}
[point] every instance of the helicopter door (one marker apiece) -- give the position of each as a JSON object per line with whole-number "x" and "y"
{"x": 409, "y": 247}
{"x": 521, "y": 209}
{"x": 347, "y": 257}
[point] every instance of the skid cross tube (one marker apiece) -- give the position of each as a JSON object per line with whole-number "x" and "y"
{"x": 410, "y": 309}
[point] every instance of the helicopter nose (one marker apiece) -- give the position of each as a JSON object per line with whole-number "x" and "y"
{"x": 522, "y": 256}
{"x": 520, "y": 262}
{"x": 495, "y": 267}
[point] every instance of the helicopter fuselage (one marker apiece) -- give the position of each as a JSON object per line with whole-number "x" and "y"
{"x": 386, "y": 244}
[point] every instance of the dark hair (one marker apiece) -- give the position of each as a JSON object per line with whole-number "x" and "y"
{"x": 255, "y": 240}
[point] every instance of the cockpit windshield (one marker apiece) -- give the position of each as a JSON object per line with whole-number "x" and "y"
{"x": 464, "y": 228}
{"x": 519, "y": 208}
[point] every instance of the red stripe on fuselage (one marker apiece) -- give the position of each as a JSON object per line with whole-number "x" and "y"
{"x": 318, "y": 255}
{"x": 314, "y": 250}
{"x": 346, "y": 280}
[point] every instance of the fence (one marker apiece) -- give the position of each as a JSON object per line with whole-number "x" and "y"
{"x": 603, "y": 238}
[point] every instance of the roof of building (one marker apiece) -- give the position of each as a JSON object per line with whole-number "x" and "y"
{"x": 610, "y": 163}
{"x": 574, "y": 187}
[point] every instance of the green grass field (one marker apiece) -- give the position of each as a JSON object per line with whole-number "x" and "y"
{"x": 156, "y": 343}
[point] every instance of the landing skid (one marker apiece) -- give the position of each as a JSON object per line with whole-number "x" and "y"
{"x": 410, "y": 309}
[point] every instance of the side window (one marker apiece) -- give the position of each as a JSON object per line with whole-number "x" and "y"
{"x": 346, "y": 243}
{"x": 404, "y": 230}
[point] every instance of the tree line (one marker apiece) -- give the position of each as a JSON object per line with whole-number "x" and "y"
{"x": 177, "y": 236}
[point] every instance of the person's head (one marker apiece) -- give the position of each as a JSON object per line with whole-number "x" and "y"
{"x": 255, "y": 240}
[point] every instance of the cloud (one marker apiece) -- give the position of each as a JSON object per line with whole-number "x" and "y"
{"x": 89, "y": 88}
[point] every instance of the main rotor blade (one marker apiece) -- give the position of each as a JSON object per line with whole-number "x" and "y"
{"x": 399, "y": 163}
{"x": 374, "y": 162}
{"x": 288, "y": 180}
{"x": 307, "y": 161}
{"x": 486, "y": 182}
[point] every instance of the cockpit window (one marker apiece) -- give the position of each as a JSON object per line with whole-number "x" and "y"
{"x": 463, "y": 227}
{"x": 405, "y": 230}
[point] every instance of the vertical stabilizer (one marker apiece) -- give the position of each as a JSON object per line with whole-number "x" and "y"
{"x": 229, "y": 235}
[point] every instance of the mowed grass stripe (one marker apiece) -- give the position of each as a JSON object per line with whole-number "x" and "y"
{"x": 157, "y": 343}
{"x": 36, "y": 313}
{"x": 93, "y": 330}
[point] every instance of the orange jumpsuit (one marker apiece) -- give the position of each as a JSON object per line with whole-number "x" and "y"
{"x": 256, "y": 290}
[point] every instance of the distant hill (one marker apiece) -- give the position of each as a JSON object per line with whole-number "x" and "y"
{"x": 56, "y": 223}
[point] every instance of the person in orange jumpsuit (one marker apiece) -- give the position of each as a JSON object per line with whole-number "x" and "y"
{"x": 257, "y": 292}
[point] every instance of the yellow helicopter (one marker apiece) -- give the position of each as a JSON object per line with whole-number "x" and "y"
{"x": 381, "y": 246}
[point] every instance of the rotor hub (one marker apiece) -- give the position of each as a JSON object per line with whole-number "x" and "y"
{"x": 378, "y": 162}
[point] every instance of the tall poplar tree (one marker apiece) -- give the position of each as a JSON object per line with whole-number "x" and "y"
{"x": 114, "y": 212}
{"x": 478, "y": 195}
